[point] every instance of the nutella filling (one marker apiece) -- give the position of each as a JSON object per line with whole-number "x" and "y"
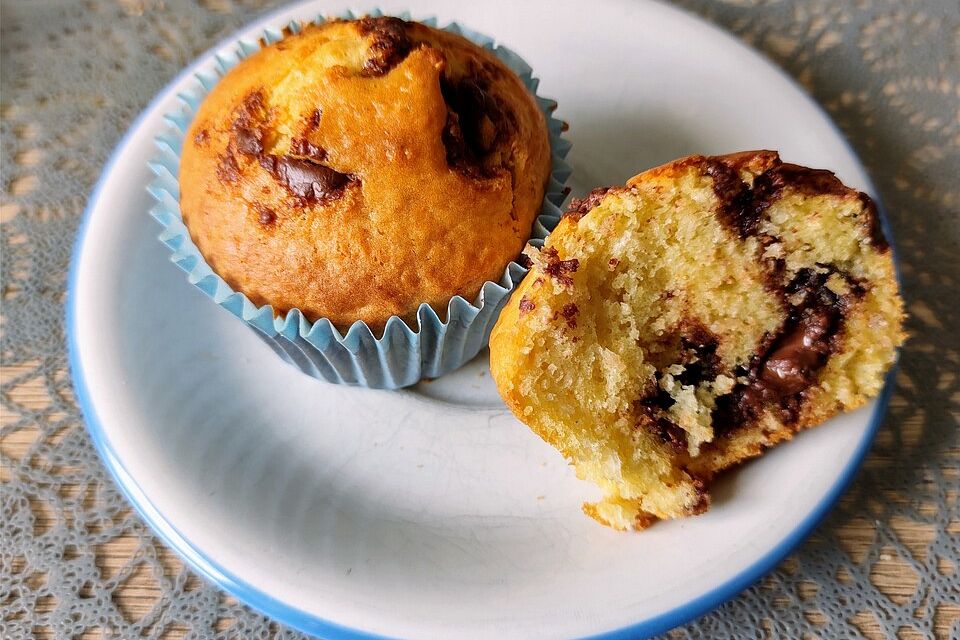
{"x": 696, "y": 349}
{"x": 300, "y": 171}
{"x": 559, "y": 270}
{"x": 580, "y": 207}
{"x": 792, "y": 364}
{"x": 736, "y": 199}
{"x": 669, "y": 434}
{"x": 778, "y": 378}
{"x": 476, "y": 123}
{"x": 390, "y": 44}
{"x": 305, "y": 149}
{"x": 741, "y": 206}
{"x": 307, "y": 180}
{"x": 698, "y": 355}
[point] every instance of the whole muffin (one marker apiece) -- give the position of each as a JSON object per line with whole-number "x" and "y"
{"x": 360, "y": 168}
{"x": 709, "y": 309}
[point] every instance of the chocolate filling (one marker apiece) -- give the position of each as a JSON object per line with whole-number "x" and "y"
{"x": 306, "y": 149}
{"x": 805, "y": 180}
{"x": 736, "y": 206}
{"x": 653, "y": 417}
{"x": 789, "y": 365}
{"x": 299, "y": 171}
{"x": 228, "y": 170}
{"x": 311, "y": 182}
{"x": 476, "y": 123}
{"x": 741, "y": 207}
{"x": 265, "y": 215}
{"x": 312, "y": 121}
{"x": 580, "y": 207}
{"x": 558, "y": 269}
{"x": 669, "y": 434}
{"x": 390, "y": 45}
{"x": 696, "y": 350}
{"x": 698, "y": 354}
{"x": 249, "y": 141}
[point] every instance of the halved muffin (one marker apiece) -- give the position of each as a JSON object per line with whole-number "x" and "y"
{"x": 709, "y": 309}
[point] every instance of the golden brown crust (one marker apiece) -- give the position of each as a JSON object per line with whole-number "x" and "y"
{"x": 361, "y": 168}
{"x": 722, "y": 305}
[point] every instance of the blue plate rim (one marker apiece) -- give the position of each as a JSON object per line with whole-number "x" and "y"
{"x": 320, "y": 627}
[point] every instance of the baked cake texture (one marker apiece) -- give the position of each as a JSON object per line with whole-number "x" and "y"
{"x": 360, "y": 168}
{"x": 709, "y": 309}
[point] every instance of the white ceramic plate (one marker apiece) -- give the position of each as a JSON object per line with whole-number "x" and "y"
{"x": 432, "y": 513}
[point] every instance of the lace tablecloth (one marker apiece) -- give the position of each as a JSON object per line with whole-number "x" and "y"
{"x": 75, "y": 561}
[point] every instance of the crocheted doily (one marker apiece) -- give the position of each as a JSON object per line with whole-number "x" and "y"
{"x": 76, "y": 561}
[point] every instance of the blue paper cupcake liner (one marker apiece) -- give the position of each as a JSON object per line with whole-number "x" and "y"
{"x": 402, "y": 355}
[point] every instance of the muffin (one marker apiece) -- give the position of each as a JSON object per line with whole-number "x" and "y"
{"x": 360, "y": 168}
{"x": 709, "y": 309}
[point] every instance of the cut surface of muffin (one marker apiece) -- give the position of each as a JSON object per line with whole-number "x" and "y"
{"x": 359, "y": 168}
{"x": 685, "y": 322}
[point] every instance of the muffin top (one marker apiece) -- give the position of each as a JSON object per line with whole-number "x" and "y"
{"x": 360, "y": 168}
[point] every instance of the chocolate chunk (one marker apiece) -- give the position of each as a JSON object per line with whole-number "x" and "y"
{"x": 698, "y": 354}
{"x": 569, "y": 314}
{"x": 559, "y": 269}
{"x": 795, "y": 359}
{"x": 309, "y": 181}
{"x": 657, "y": 401}
{"x": 248, "y": 125}
{"x": 476, "y": 122}
{"x": 312, "y": 121}
{"x": 788, "y": 365}
{"x": 227, "y": 169}
{"x": 305, "y": 149}
{"x": 652, "y": 415}
{"x": 669, "y": 434}
{"x": 299, "y": 171}
{"x": 743, "y": 405}
{"x": 265, "y": 215}
{"x": 580, "y": 207}
{"x": 249, "y": 141}
{"x": 526, "y": 305}
{"x": 391, "y": 43}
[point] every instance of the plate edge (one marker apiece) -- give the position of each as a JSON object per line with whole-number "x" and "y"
{"x": 315, "y": 625}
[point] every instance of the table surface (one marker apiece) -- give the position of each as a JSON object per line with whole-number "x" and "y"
{"x": 75, "y": 561}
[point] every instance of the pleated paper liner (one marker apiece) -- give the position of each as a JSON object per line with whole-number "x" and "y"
{"x": 403, "y": 354}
